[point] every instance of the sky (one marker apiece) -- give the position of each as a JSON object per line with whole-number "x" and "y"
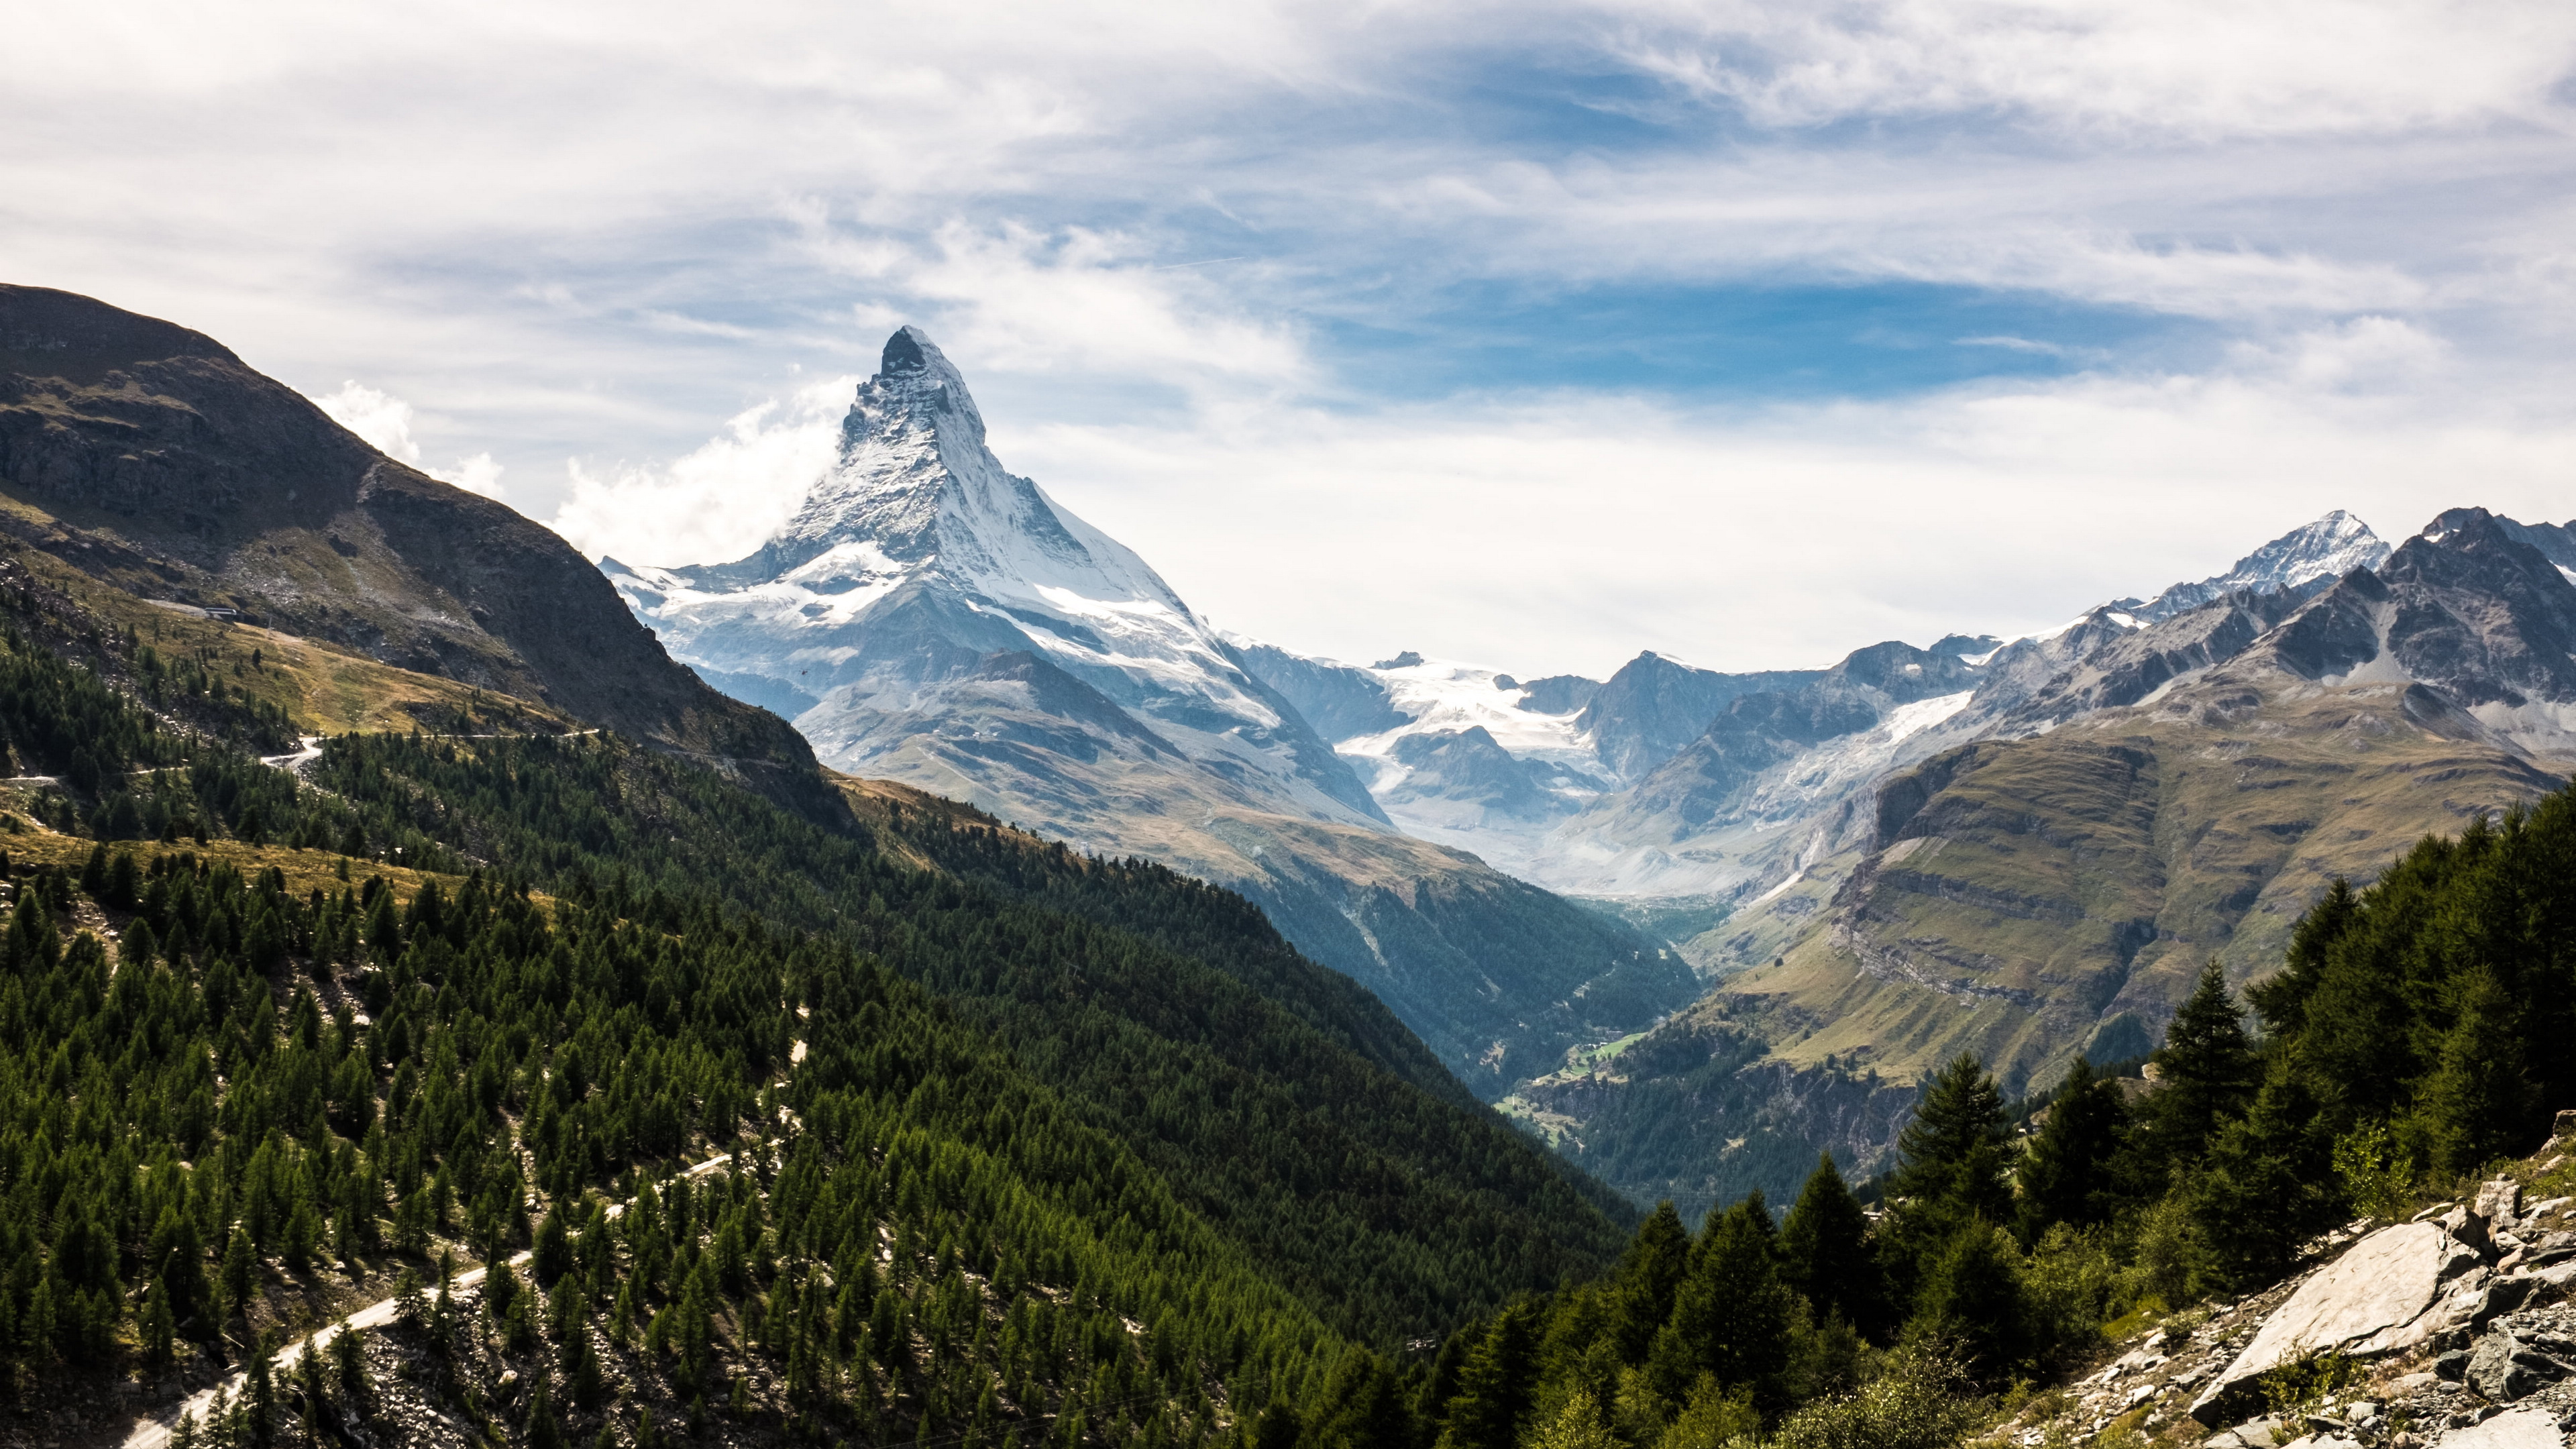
{"x": 1533, "y": 335}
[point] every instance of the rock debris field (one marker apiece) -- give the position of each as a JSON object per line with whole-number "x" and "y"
{"x": 2454, "y": 1329}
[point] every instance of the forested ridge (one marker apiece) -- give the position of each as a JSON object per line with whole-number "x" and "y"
{"x": 1034, "y": 1147}
{"x": 2420, "y": 1032}
{"x": 1124, "y": 1193}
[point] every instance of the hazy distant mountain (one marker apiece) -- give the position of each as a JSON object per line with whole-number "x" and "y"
{"x": 958, "y": 630}
{"x": 2049, "y": 881}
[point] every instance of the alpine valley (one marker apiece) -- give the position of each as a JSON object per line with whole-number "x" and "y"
{"x": 929, "y": 618}
{"x": 2019, "y": 848}
{"x": 923, "y": 984}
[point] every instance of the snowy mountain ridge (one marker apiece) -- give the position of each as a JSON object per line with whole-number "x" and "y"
{"x": 2328, "y": 548}
{"x": 915, "y": 538}
{"x": 928, "y": 617}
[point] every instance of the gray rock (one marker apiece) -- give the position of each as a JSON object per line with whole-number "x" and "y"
{"x": 2366, "y": 1302}
{"x": 2499, "y": 1202}
{"x": 2453, "y": 1365}
{"x": 2519, "y": 1429}
{"x": 2504, "y": 1368}
{"x": 2469, "y": 1228}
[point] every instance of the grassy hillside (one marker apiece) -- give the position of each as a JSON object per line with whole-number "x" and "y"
{"x": 1499, "y": 978}
{"x": 153, "y": 460}
{"x": 2024, "y": 901}
{"x": 2065, "y": 890}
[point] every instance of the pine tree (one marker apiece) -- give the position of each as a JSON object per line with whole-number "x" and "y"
{"x": 1578, "y": 1423}
{"x": 1495, "y": 1386}
{"x": 1827, "y": 1253}
{"x": 1972, "y": 1295}
{"x": 551, "y": 1256}
{"x": 2283, "y": 998}
{"x": 545, "y": 1430}
{"x": 2066, "y": 1177}
{"x": 1733, "y": 1315}
{"x": 1953, "y": 1153}
{"x": 2262, "y": 1192}
{"x": 1363, "y": 1408}
{"x": 2477, "y": 1105}
{"x": 240, "y": 1274}
{"x": 1650, "y": 1273}
{"x": 1950, "y": 1173}
{"x": 1279, "y": 1427}
{"x": 2208, "y": 1072}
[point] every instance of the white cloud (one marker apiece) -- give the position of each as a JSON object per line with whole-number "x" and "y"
{"x": 589, "y": 231}
{"x": 477, "y": 474}
{"x": 381, "y": 418}
{"x": 718, "y": 501}
{"x": 385, "y": 421}
{"x": 1068, "y": 302}
{"x": 2195, "y": 67}
{"x": 1564, "y": 533}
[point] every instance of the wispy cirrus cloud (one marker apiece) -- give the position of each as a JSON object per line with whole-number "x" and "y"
{"x": 1679, "y": 258}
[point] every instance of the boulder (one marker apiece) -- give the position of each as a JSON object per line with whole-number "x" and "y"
{"x": 2504, "y": 1368}
{"x": 2469, "y": 1227}
{"x": 2517, "y": 1429}
{"x": 2499, "y": 1202}
{"x": 2365, "y": 1302}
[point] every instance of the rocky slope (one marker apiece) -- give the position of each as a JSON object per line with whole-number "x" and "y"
{"x": 2051, "y": 874}
{"x": 959, "y": 631}
{"x": 2453, "y": 1329}
{"x": 152, "y": 459}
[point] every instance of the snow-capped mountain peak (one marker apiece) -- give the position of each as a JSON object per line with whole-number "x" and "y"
{"x": 2328, "y": 548}
{"x": 917, "y": 554}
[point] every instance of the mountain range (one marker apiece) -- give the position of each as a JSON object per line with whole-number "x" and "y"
{"x": 1688, "y": 924}
{"x": 935, "y": 620}
{"x": 539, "y": 944}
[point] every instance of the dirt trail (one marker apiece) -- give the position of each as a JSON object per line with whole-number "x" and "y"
{"x": 153, "y": 1431}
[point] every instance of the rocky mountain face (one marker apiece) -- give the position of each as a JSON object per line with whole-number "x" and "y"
{"x": 956, "y": 629}
{"x": 2048, "y": 877}
{"x": 2327, "y": 549}
{"x": 150, "y": 457}
{"x": 1653, "y": 708}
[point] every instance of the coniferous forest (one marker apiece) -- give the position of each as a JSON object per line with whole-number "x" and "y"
{"x": 913, "y": 1129}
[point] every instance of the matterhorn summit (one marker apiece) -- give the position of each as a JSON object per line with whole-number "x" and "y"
{"x": 917, "y": 565}
{"x": 929, "y": 618}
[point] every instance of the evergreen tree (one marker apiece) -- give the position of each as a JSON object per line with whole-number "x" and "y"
{"x": 1363, "y": 1408}
{"x": 1827, "y": 1253}
{"x": 1579, "y": 1423}
{"x": 1279, "y": 1427}
{"x": 2208, "y": 1072}
{"x": 2283, "y": 998}
{"x": 545, "y": 1430}
{"x": 2478, "y": 1101}
{"x": 1641, "y": 1298}
{"x": 1949, "y": 1174}
{"x": 2263, "y": 1189}
{"x": 551, "y": 1256}
{"x": 240, "y": 1273}
{"x": 1952, "y": 1155}
{"x": 1972, "y": 1295}
{"x": 1732, "y": 1316}
{"x": 2067, "y": 1175}
{"x": 1495, "y": 1385}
